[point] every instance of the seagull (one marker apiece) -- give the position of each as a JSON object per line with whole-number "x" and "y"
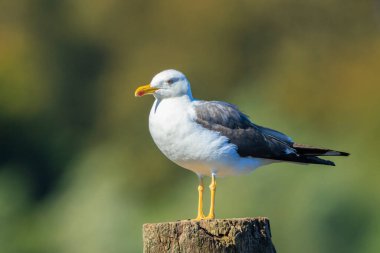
{"x": 213, "y": 138}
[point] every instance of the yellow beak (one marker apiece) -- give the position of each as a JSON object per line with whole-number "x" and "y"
{"x": 144, "y": 90}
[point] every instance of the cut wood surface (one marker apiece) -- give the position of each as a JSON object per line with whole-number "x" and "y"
{"x": 219, "y": 235}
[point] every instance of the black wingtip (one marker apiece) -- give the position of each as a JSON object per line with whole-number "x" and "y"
{"x": 316, "y": 160}
{"x": 335, "y": 153}
{"x": 326, "y": 162}
{"x": 316, "y": 151}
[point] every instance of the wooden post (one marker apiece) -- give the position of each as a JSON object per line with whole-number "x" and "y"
{"x": 221, "y": 235}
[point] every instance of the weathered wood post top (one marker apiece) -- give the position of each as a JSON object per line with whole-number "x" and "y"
{"x": 219, "y": 235}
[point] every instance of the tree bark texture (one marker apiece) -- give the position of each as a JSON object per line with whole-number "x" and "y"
{"x": 220, "y": 235}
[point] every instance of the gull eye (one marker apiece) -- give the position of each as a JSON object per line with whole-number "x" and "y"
{"x": 172, "y": 80}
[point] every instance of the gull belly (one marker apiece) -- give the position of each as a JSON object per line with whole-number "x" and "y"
{"x": 188, "y": 144}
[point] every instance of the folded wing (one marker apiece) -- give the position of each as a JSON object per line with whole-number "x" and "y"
{"x": 253, "y": 140}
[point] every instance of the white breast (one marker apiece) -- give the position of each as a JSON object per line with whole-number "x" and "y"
{"x": 172, "y": 126}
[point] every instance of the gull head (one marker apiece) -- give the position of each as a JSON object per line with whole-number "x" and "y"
{"x": 166, "y": 84}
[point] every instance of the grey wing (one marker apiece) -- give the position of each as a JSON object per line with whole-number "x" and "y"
{"x": 276, "y": 134}
{"x": 250, "y": 139}
{"x": 221, "y": 113}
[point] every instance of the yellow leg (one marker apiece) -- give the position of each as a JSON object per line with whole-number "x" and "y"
{"x": 211, "y": 214}
{"x": 200, "y": 215}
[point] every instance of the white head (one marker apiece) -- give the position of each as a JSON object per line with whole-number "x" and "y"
{"x": 166, "y": 84}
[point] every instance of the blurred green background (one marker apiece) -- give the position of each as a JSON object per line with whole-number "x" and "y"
{"x": 79, "y": 171}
